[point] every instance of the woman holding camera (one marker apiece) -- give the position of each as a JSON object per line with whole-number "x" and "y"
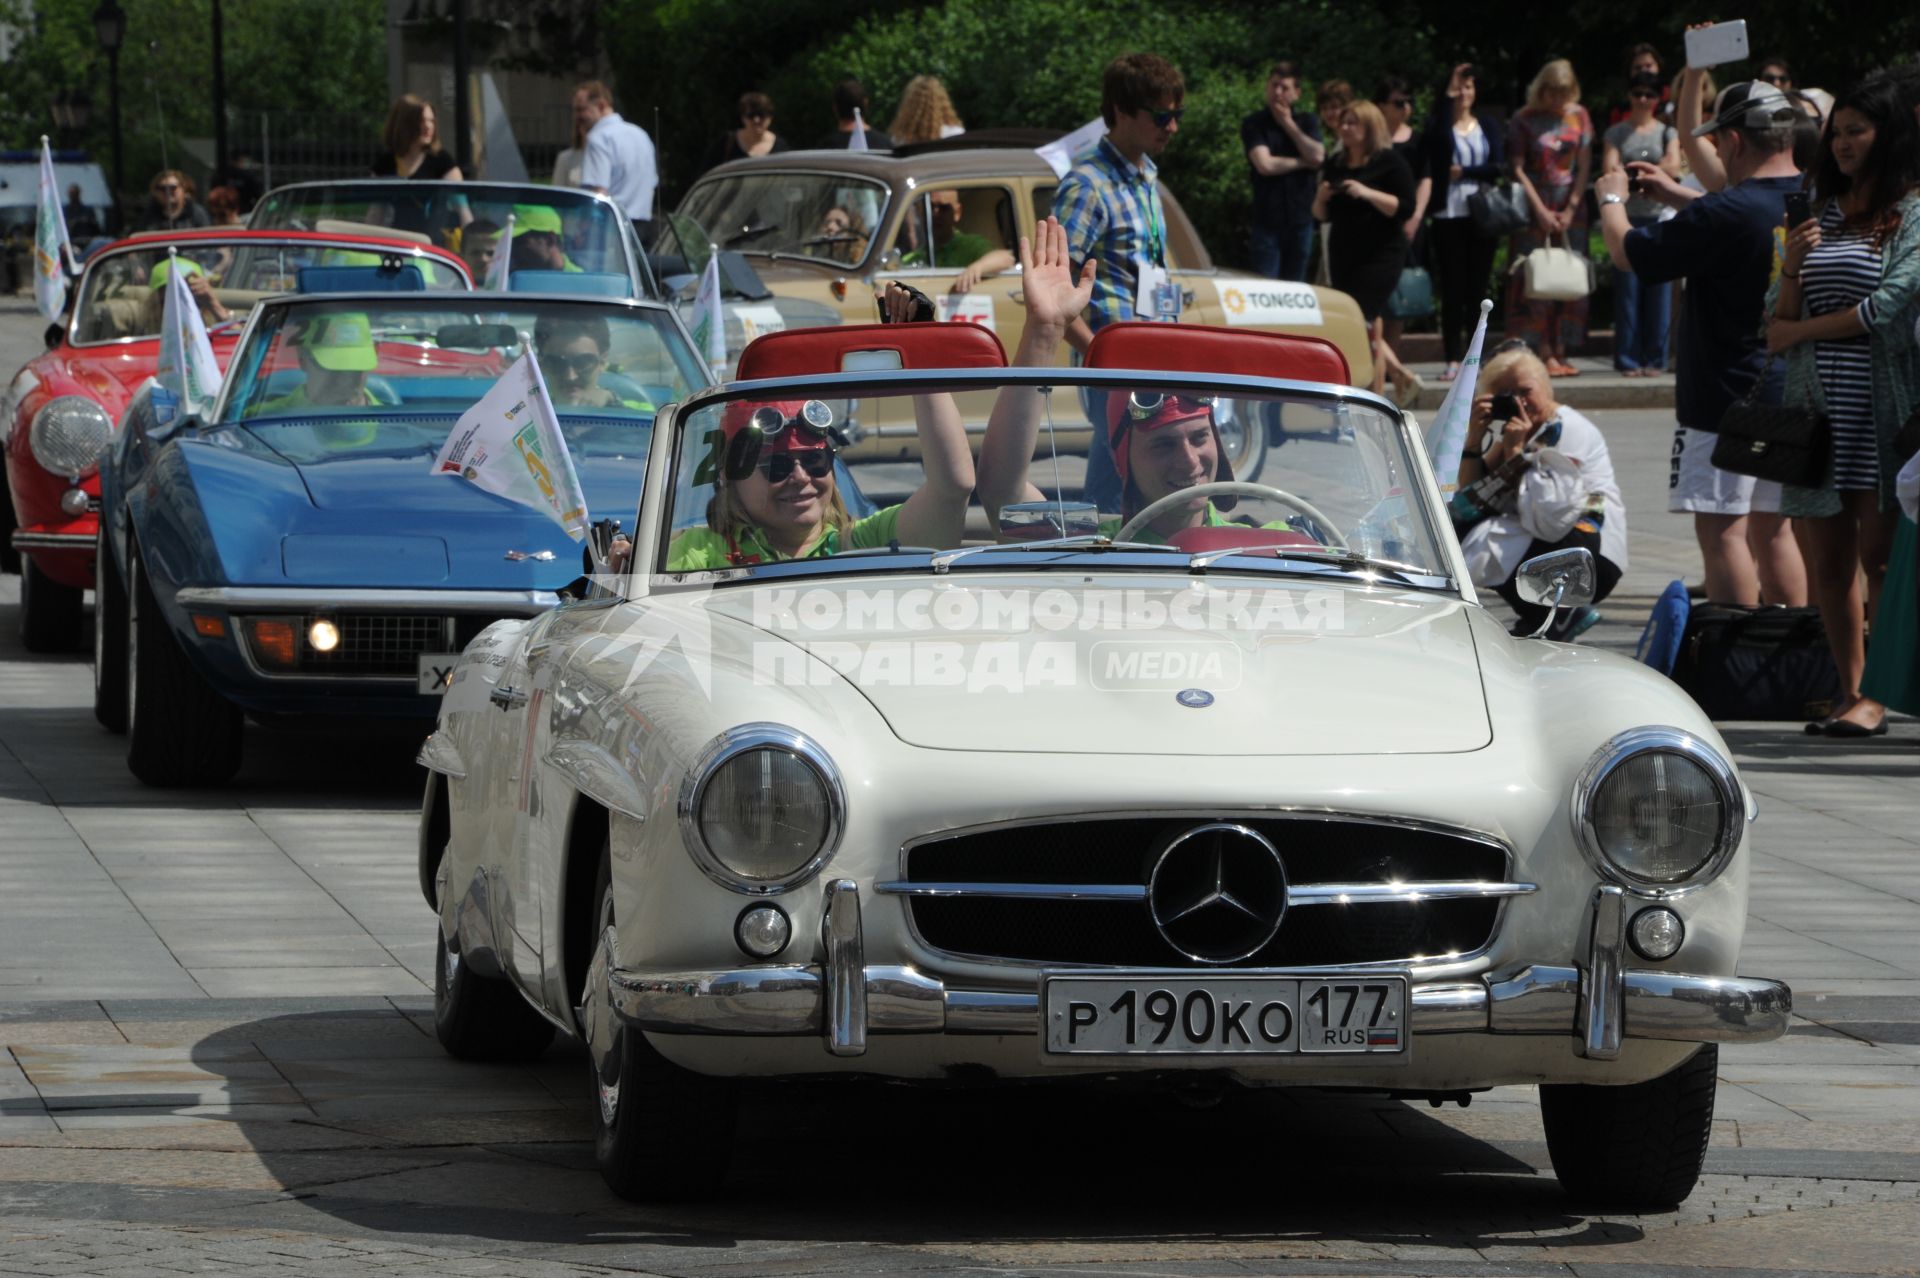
{"x": 1842, "y": 313}
{"x": 1535, "y": 477}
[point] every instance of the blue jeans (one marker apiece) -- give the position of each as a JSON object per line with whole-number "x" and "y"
{"x": 1640, "y": 316}
{"x": 1282, "y": 252}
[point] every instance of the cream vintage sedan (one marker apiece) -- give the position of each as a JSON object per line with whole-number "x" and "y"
{"x": 1237, "y": 787}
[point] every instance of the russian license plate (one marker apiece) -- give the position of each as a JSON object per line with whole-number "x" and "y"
{"x": 436, "y": 671}
{"x": 1157, "y": 1014}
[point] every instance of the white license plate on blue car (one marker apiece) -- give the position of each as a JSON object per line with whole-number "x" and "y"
{"x": 1164, "y": 1014}
{"x": 436, "y": 671}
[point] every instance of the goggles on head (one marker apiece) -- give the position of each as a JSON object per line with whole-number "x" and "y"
{"x": 814, "y": 417}
{"x": 1146, "y": 405}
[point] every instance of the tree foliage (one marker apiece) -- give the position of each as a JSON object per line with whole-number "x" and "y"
{"x": 281, "y": 55}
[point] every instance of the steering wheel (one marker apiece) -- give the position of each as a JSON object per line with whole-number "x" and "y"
{"x": 1230, "y": 488}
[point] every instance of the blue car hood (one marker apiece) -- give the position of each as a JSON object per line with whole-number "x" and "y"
{"x": 374, "y": 520}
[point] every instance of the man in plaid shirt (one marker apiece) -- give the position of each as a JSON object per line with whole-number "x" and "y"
{"x": 1110, "y": 207}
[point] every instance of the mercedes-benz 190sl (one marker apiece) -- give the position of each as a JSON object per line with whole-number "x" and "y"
{"x": 1239, "y": 784}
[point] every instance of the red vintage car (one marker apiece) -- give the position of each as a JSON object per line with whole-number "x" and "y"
{"x": 62, "y": 407}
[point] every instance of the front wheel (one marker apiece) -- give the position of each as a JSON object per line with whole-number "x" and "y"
{"x": 109, "y": 639}
{"x": 1637, "y": 1146}
{"x": 659, "y": 1132}
{"x": 51, "y": 614}
{"x": 180, "y": 732}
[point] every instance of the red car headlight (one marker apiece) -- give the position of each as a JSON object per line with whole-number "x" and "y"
{"x": 68, "y": 434}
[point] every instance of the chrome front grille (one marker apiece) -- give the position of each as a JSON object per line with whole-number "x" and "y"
{"x": 373, "y": 645}
{"x": 1076, "y": 892}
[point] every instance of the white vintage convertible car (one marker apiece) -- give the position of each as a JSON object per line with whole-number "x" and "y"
{"x": 1242, "y": 787}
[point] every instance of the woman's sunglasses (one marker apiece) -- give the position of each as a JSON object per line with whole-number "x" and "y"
{"x": 756, "y": 115}
{"x": 778, "y": 468}
{"x": 1145, "y": 405}
{"x": 1161, "y": 119}
{"x": 579, "y": 364}
{"x": 1646, "y": 94}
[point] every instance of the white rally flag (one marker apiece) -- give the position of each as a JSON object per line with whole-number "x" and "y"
{"x": 497, "y": 272}
{"x": 1447, "y": 437}
{"x": 52, "y": 250}
{"x": 858, "y": 140}
{"x": 510, "y": 444}
{"x": 710, "y": 317}
{"x": 1060, "y": 155}
{"x": 187, "y": 370}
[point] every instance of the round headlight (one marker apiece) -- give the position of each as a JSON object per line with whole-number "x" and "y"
{"x": 68, "y": 434}
{"x": 761, "y": 811}
{"x": 1658, "y": 810}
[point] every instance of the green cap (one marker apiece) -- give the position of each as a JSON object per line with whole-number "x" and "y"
{"x": 164, "y": 268}
{"x": 535, "y": 217}
{"x": 340, "y": 343}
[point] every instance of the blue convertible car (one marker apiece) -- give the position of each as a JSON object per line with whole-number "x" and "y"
{"x": 291, "y": 554}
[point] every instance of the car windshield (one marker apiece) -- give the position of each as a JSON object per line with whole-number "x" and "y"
{"x": 333, "y": 375}
{"x": 826, "y": 217}
{"x": 1331, "y": 487}
{"x": 555, "y": 228}
{"x": 123, "y": 292}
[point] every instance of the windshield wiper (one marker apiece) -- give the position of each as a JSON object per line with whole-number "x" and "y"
{"x": 1346, "y": 560}
{"x": 1086, "y": 541}
{"x": 746, "y": 233}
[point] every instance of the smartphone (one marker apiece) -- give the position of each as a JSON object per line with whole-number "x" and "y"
{"x": 1503, "y": 409}
{"x": 1799, "y": 208}
{"x": 1720, "y": 43}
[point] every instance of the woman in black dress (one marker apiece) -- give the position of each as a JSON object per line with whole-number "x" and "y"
{"x": 412, "y": 151}
{"x": 1365, "y": 198}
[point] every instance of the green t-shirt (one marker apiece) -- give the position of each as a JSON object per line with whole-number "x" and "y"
{"x": 964, "y": 249}
{"x": 699, "y": 549}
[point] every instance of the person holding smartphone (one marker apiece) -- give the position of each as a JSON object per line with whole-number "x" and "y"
{"x": 1722, "y": 244}
{"x": 1841, "y": 314}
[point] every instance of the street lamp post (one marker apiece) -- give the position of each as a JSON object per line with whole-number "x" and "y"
{"x": 110, "y": 25}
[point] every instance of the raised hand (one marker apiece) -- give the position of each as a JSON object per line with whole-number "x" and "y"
{"x": 1053, "y": 298}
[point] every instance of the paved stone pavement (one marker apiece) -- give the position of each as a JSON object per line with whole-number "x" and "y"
{"x": 218, "y": 1057}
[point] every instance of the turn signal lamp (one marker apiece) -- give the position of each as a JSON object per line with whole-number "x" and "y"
{"x": 209, "y": 627}
{"x": 273, "y": 641}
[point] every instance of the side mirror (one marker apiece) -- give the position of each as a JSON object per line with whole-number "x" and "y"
{"x": 55, "y": 335}
{"x": 1561, "y": 579}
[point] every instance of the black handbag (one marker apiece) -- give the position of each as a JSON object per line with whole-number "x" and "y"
{"x": 1785, "y": 444}
{"x": 1499, "y": 210}
{"x": 1768, "y": 662}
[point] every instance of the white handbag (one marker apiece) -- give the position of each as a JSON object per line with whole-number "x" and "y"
{"x": 1555, "y": 273}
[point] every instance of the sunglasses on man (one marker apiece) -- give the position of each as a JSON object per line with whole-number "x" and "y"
{"x": 579, "y": 364}
{"x": 1400, "y": 102}
{"x": 1162, "y": 119}
{"x": 778, "y": 467}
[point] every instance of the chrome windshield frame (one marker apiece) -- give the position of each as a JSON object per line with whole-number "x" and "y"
{"x": 1423, "y": 490}
{"x": 217, "y": 415}
{"x": 250, "y": 238}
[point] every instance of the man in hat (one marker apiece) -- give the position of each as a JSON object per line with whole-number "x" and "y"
{"x": 212, "y": 310}
{"x": 1727, "y": 246}
{"x": 336, "y": 353}
{"x": 539, "y": 240}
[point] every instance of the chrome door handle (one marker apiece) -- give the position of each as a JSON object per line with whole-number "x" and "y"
{"x": 507, "y": 698}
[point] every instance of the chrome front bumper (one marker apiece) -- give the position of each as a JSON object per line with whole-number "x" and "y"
{"x": 844, "y": 999}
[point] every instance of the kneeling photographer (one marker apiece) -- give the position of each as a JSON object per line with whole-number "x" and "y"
{"x": 1535, "y": 477}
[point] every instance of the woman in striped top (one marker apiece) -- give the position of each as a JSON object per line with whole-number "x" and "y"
{"x": 1843, "y": 314}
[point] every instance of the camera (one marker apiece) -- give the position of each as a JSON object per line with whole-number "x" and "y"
{"x": 1503, "y": 409}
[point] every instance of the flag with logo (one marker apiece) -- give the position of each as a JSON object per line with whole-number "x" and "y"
{"x": 187, "y": 370}
{"x": 710, "y": 316}
{"x": 1447, "y": 437}
{"x": 52, "y": 250}
{"x": 497, "y": 270}
{"x": 510, "y": 444}
{"x": 858, "y": 141}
